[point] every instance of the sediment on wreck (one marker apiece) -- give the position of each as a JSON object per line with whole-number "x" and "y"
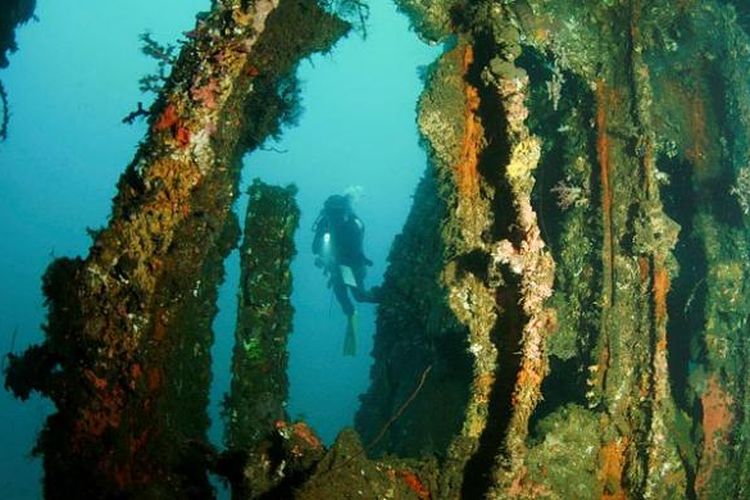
{"x": 257, "y": 398}
{"x": 121, "y": 353}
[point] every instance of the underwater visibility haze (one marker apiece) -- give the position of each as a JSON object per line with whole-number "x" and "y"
{"x": 540, "y": 209}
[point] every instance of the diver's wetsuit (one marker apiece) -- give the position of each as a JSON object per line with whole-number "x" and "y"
{"x": 346, "y": 234}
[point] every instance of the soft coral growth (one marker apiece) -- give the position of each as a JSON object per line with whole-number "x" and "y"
{"x": 167, "y": 119}
{"x": 170, "y": 120}
{"x": 414, "y": 484}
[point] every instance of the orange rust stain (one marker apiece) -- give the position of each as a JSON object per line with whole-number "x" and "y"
{"x": 155, "y": 377}
{"x": 155, "y": 264}
{"x": 139, "y": 442}
{"x": 648, "y": 163}
{"x": 717, "y": 422}
{"x": 692, "y": 105}
{"x": 603, "y": 366}
{"x": 414, "y": 484}
{"x": 698, "y": 134}
{"x": 466, "y": 171}
{"x": 468, "y": 57}
{"x": 529, "y": 376}
{"x": 160, "y": 326}
{"x": 483, "y": 386}
{"x": 644, "y": 269}
{"x": 98, "y": 382}
{"x": 136, "y": 371}
{"x": 523, "y": 487}
{"x": 303, "y": 431}
{"x": 542, "y": 34}
{"x": 612, "y": 463}
{"x": 661, "y": 288}
{"x": 661, "y": 343}
{"x": 717, "y": 416}
{"x": 252, "y": 71}
{"x": 603, "y": 101}
{"x": 102, "y": 414}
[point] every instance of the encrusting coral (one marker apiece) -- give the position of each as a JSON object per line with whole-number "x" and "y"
{"x": 264, "y": 317}
{"x": 572, "y": 275}
{"x": 130, "y": 410}
{"x": 599, "y": 278}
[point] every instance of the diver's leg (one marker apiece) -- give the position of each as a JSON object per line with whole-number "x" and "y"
{"x": 360, "y": 293}
{"x": 342, "y": 294}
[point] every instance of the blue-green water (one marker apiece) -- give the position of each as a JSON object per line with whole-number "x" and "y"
{"x": 73, "y": 80}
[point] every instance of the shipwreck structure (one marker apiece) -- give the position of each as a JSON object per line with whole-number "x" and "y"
{"x": 12, "y": 14}
{"x": 576, "y": 306}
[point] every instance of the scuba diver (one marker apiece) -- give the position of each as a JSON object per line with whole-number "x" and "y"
{"x": 337, "y": 246}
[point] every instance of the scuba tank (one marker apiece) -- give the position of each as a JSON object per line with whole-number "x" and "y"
{"x": 335, "y": 206}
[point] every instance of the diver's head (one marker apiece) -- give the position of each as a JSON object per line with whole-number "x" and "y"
{"x": 337, "y": 206}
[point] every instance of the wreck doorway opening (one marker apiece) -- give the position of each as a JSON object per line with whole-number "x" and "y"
{"x": 357, "y": 129}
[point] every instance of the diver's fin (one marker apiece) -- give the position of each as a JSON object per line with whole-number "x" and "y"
{"x": 350, "y": 339}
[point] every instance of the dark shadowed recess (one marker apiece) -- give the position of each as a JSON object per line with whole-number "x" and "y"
{"x": 566, "y": 381}
{"x": 506, "y": 334}
{"x": 416, "y": 330}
